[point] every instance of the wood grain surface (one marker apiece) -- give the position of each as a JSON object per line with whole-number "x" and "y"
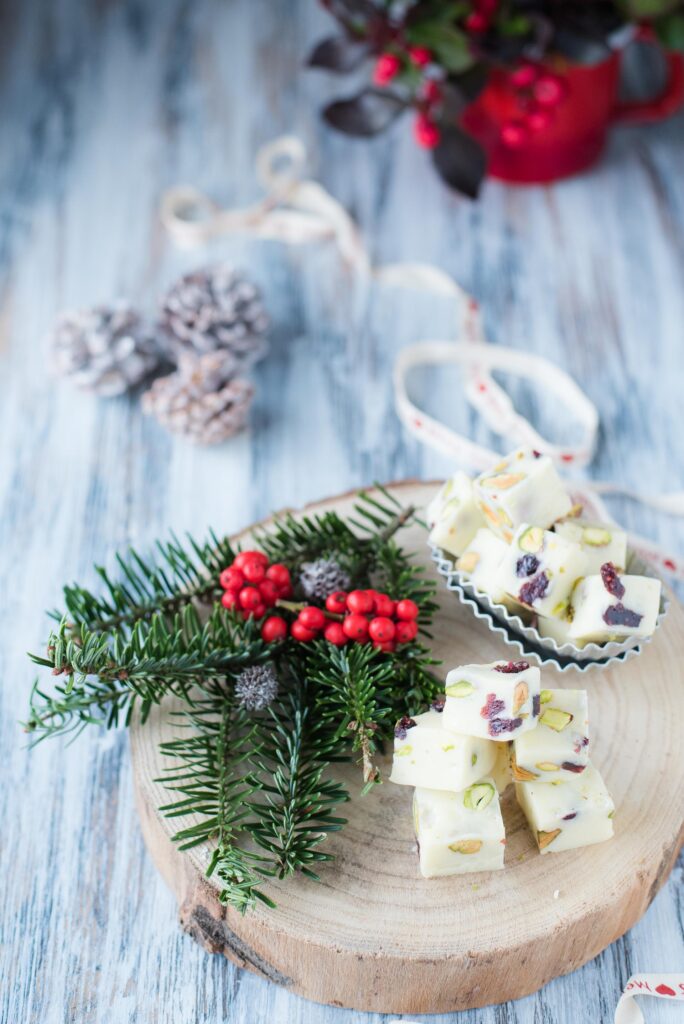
{"x": 103, "y": 105}
{"x": 374, "y": 935}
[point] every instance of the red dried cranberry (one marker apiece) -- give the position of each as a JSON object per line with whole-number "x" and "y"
{"x": 438, "y": 704}
{"x": 512, "y": 666}
{"x": 493, "y": 706}
{"x": 611, "y": 580}
{"x": 402, "y": 726}
{"x": 536, "y": 454}
{"x": 570, "y": 767}
{"x": 527, "y": 565}
{"x": 618, "y": 615}
{"x": 569, "y": 817}
{"x": 499, "y": 725}
{"x": 536, "y": 588}
{"x": 536, "y": 705}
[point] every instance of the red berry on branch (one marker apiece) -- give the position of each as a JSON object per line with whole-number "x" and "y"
{"x": 420, "y": 56}
{"x": 334, "y": 634}
{"x": 431, "y": 91}
{"x": 312, "y": 617}
{"x": 426, "y": 132}
{"x": 524, "y": 76}
{"x": 387, "y": 67}
{"x": 269, "y": 592}
{"x": 246, "y": 555}
{"x": 279, "y": 574}
{"x": 253, "y": 570}
{"x": 539, "y": 120}
{"x": 381, "y": 629}
{"x": 229, "y": 599}
{"x": 477, "y": 22}
{"x": 406, "y": 631}
{"x": 514, "y": 134}
{"x": 231, "y": 579}
{"x": 301, "y": 633}
{"x": 360, "y": 601}
{"x": 337, "y": 602}
{"x": 355, "y": 626}
{"x": 384, "y": 605}
{"x": 249, "y": 598}
{"x": 549, "y": 90}
{"x": 407, "y": 610}
{"x": 259, "y": 611}
{"x": 273, "y": 629}
{"x": 388, "y": 646}
{"x": 285, "y": 592}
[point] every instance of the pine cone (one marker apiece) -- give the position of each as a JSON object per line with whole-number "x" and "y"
{"x": 256, "y": 687}
{"x": 320, "y": 578}
{"x": 203, "y": 400}
{"x": 104, "y": 349}
{"x": 215, "y": 309}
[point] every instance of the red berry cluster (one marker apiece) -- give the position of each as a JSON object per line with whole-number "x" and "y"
{"x": 539, "y": 92}
{"x": 251, "y": 585}
{"x": 363, "y": 616}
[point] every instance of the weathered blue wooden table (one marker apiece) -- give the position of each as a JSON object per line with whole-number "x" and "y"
{"x": 100, "y": 110}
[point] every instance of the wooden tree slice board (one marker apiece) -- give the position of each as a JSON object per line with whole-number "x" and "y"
{"x": 374, "y": 935}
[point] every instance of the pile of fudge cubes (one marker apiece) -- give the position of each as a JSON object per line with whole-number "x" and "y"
{"x": 495, "y": 725}
{"x": 517, "y": 537}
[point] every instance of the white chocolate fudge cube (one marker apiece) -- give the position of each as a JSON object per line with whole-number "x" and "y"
{"x": 498, "y": 701}
{"x": 612, "y": 607}
{"x": 426, "y": 754}
{"x": 540, "y": 570}
{"x": 459, "y": 832}
{"x": 600, "y": 542}
{"x": 559, "y": 747}
{"x": 457, "y": 518}
{"x": 480, "y": 563}
{"x": 557, "y": 629}
{"x": 569, "y": 814}
{"x": 457, "y": 486}
{"x": 522, "y": 488}
{"x": 501, "y": 772}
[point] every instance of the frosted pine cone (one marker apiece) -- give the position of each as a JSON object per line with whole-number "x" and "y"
{"x": 320, "y": 578}
{"x": 104, "y": 349}
{"x": 256, "y": 687}
{"x": 203, "y": 400}
{"x": 215, "y": 309}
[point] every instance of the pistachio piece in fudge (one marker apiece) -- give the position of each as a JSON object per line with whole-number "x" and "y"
{"x": 456, "y": 518}
{"x": 610, "y": 606}
{"x": 559, "y": 747}
{"x": 523, "y": 488}
{"x": 459, "y": 832}
{"x": 426, "y": 754}
{"x": 497, "y": 701}
{"x": 540, "y": 570}
{"x": 600, "y": 542}
{"x": 568, "y": 814}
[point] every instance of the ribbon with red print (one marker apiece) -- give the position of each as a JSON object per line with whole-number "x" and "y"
{"x": 662, "y": 986}
{"x": 296, "y": 210}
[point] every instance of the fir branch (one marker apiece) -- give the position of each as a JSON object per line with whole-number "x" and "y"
{"x": 294, "y": 810}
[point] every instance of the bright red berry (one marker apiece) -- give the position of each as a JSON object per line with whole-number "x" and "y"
{"x": 231, "y": 579}
{"x": 549, "y": 90}
{"x": 514, "y": 134}
{"x": 269, "y": 592}
{"x": 249, "y": 598}
{"x": 406, "y": 631}
{"x": 253, "y": 570}
{"x": 538, "y": 120}
{"x": 355, "y": 627}
{"x": 420, "y": 55}
{"x": 273, "y": 629}
{"x": 301, "y": 633}
{"x": 337, "y": 602}
{"x": 279, "y": 574}
{"x": 259, "y": 611}
{"x": 246, "y": 555}
{"x": 387, "y": 67}
{"x": 425, "y": 132}
{"x": 334, "y": 634}
{"x": 286, "y": 592}
{"x": 381, "y": 629}
{"x": 384, "y": 605}
{"x": 388, "y": 646}
{"x": 407, "y": 610}
{"x": 229, "y": 599}
{"x": 360, "y": 601}
{"x": 431, "y": 91}
{"x": 524, "y": 76}
{"x": 477, "y": 21}
{"x": 312, "y": 617}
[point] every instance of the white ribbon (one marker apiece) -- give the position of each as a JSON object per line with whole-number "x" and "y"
{"x": 662, "y": 986}
{"x": 296, "y": 210}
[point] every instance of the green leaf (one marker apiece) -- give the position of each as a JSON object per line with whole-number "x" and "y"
{"x": 670, "y": 31}
{"x": 450, "y": 45}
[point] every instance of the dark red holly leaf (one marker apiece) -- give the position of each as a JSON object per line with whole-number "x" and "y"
{"x": 339, "y": 54}
{"x": 460, "y": 160}
{"x": 368, "y": 113}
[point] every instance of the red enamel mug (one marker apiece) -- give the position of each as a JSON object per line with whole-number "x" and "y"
{"x": 572, "y": 136}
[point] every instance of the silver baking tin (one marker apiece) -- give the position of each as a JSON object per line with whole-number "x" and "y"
{"x": 527, "y": 639}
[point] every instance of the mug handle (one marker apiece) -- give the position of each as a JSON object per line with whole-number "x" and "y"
{"x": 670, "y": 99}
